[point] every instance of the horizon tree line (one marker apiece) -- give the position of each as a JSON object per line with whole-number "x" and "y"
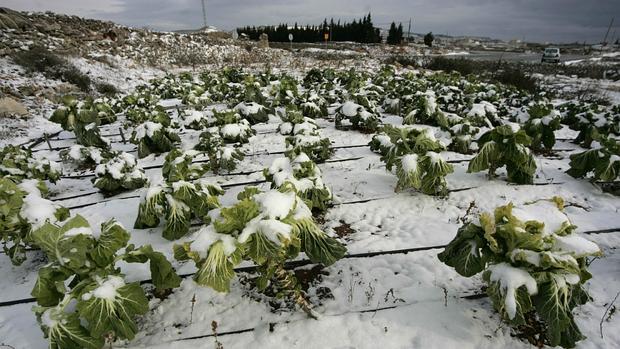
{"x": 362, "y": 31}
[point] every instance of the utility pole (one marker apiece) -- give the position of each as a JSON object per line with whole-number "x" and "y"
{"x": 409, "y": 31}
{"x": 204, "y": 12}
{"x": 604, "y": 43}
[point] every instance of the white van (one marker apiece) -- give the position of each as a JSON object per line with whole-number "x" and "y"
{"x": 551, "y": 55}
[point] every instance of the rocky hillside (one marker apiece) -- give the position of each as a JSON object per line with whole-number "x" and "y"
{"x": 77, "y": 36}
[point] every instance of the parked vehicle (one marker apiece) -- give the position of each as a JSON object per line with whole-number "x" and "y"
{"x": 551, "y": 55}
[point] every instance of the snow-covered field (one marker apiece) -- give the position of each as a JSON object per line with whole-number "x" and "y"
{"x": 390, "y": 290}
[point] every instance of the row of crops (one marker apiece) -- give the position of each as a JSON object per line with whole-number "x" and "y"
{"x": 83, "y": 299}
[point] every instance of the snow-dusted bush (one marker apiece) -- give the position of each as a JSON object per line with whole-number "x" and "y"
{"x": 119, "y": 173}
{"x": 24, "y": 208}
{"x": 153, "y": 138}
{"x": 602, "y": 161}
{"x": 533, "y": 262}
{"x": 253, "y": 112}
{"x": 305, "y": 176}
{"x": 267, "y": 228}
{"x": 83, "y": 298}
{"x": 505, "y": 145}
{"x": 178, "y": 203}
{"x": 20, "y": 163}
{"x": 355, "y": 115}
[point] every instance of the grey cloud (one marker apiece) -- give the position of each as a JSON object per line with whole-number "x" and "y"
{"x": 534, "y": 20}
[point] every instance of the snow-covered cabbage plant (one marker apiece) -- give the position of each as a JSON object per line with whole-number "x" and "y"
{"x": 415, "y": 153}
{"x": 305, "y": 176}
{"x": 540, "y": 125}
{"x": 303, "y": 136}
{"x": 422, "y": 108}
{"x": 83, "y": 298}
{"x": 118, "y": 173}
{"x": 84, "y": 157}
{"x": 83, "y": 122}
{"x": 602, "y": 161}
{"x": 178, "y": 203}
{"x": 314, "y": 106}
{"x": 268, "y": 228}
{"x": 317, "y": 148}
{"x": 253, "y": 112}
{"x": 356, "y": 116}
{"x": 196, "y": 119}
{"x": 591, "y": 120}
{"x": 24, "y": 208}
{"x": 232, "y": 128}
{"x": 72, "y": 110}
{"x": 291, "y": 116}
{"x": 154, "y": 138}
{"x": 138, "y": 115}
{"x": 178, "y": 166}
{"x": 20, "y": 163}
{"x": 533, "y": 262}
{"x": 221, "y": 157}
{"x": 284, "y": 92}
{"x": 483, "y": 114}
{"x": 462, "y": 136}
{"x": 505, "y": 145}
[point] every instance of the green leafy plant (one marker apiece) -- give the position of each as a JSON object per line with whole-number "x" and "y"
{"x": 178, "y": 166}
{"x": 178, "y": 203}
{"x": 20, "y": 163}
{"x": 195, "y": 119}
{"x": 221, "y": 157}
{"x": 591, "y": 120}
{"x": 532, "y": 268}
{"x": 153, "y": 138}
{"x": 72, "y": 111}
{"x": 119, "y": 173}
{"x": 267, "y": 228}
{"x": 137, "y": 115}
{"x": 253, "y": 112}
{"x": 305, "y": 176}
{"x": 422, "y": 108}
{"x": 84, "y": 157}
{"x": 415, "y": 153}
{"x": 462, "y": 136}
{"x": 602, "y": 161}
{"x": 84, "y": 118}
{"x": 24, "y": 208}
{"x": 82, "y": 295}
{"x": 505, "y": 145}
{"x": 357, "y": 117}
{"x": 542, "y": 121}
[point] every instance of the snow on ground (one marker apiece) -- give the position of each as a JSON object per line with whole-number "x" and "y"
{"x": 394, "y": 301}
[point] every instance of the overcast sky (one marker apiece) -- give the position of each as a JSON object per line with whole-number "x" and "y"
{"x": 532, "y": 20}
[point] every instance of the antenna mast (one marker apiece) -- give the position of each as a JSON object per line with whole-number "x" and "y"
{"x": 204, "y": 12}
